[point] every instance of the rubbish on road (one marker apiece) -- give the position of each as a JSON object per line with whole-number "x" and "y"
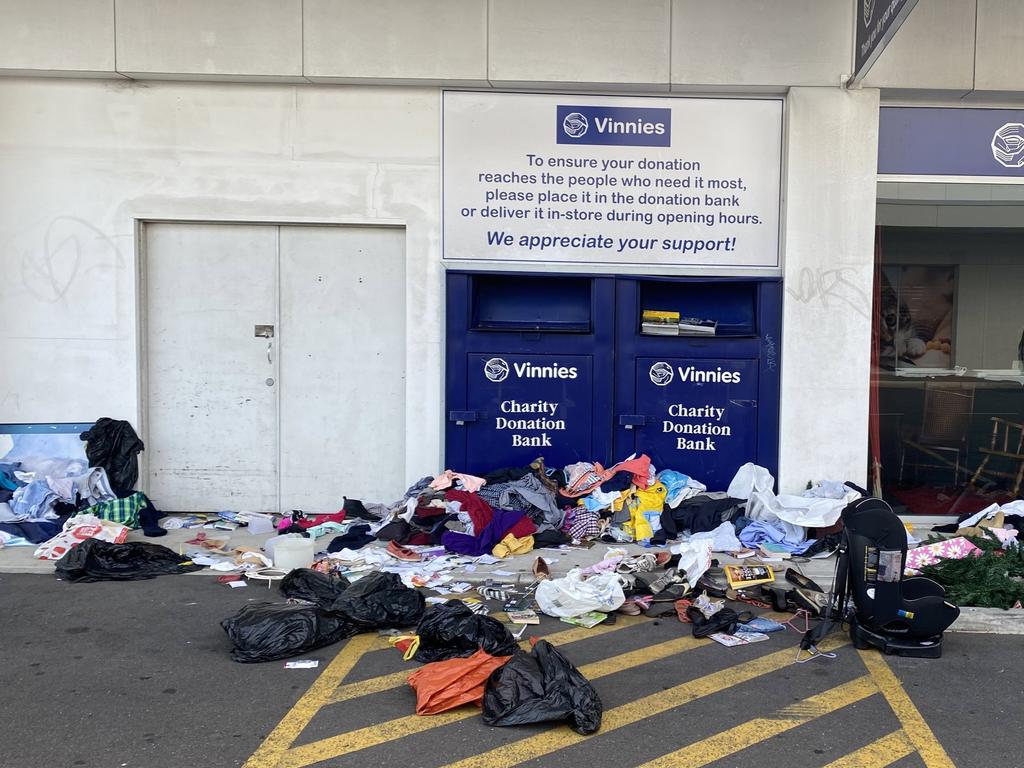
{"x": 541, "y": 686}
{"x": 762, "y": 624}
{"x": 272, "y": 631}
{"x": 587, "y": 620}
{"x": 268, "y": 575}
{"x": 302, "y": 664}
{"x": 575, "y": 594}
{"x": 738, "y": 638}
{"x": 380, "y": 600}
{"x": 523, "y": 617}
{"x": 314, "y": 587}
{"x": 96, "y": 560}
{"x": 724, "y": 620}
{"x": 452, "y": 629}
{"x": 444, "y": 685}
{"x": 740, "y": 576}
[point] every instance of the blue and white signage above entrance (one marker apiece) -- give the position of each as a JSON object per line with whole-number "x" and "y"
{"x": 614, "y": 180}
{"x": 946, "y": 141}
{"x": 617, "y": 126}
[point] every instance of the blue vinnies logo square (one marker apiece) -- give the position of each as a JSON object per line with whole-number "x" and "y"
{"x": 617, "y": 126}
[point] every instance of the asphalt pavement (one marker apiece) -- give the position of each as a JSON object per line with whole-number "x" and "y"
{"x": 126, "y": 674}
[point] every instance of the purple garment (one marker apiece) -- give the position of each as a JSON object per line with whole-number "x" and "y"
{"x": 484, "y": 541}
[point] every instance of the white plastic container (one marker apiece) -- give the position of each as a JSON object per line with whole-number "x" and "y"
{"x": 294, "y": 553}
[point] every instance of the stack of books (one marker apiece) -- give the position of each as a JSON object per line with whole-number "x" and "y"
{"x": 658, "y": 322}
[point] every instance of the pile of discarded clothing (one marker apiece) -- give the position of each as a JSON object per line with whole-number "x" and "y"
{"x": 513, "y": 510}
{"x": 54, "y": 502}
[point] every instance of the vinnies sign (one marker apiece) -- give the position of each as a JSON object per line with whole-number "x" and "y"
{"x": 613, "y": 180}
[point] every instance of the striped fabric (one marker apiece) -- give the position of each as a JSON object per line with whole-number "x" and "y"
{"x": 124, "y": 511}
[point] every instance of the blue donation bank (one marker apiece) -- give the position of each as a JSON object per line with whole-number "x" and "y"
{"x": 583, "y": 368}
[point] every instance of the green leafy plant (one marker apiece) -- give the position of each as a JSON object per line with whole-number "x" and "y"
{"x": 993, "y": 579}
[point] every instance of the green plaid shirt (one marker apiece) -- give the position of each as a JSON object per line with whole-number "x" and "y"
{"x": 124, "y": 511}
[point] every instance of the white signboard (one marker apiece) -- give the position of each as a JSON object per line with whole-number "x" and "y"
{"x": 613, "y": 180}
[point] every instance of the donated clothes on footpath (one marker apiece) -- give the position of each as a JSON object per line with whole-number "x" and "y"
{"x": 502, "y": 523}
{"x": 124, "y": 511}
{"x": 696, "y": 515}
{"x": 510, "y": 545}
{"x": 527, "y": 494}
{"x": 447, "y": 479}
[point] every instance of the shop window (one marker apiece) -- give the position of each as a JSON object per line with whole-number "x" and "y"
{"x": 947, "y": 415}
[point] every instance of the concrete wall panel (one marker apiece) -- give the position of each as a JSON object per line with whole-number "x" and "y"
{"x": 761, "y": 42}
{"x": 57, "y": 36}
{"x": 241, "y": 38}
{"x": 999, "y": 58}
{"x": 439, "y": 41}
{"x": 932, "y": 51}
{"x": 580, "y": 43}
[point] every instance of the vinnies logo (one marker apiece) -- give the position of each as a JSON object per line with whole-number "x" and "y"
{"x": 661, "y": 374}
{"x": 496, "y": 369}
{"x": 1008, "y": 145}
{"x": 613, "y": 126}
{"x": 575, "y": 125}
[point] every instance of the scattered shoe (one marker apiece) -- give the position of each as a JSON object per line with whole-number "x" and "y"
{"x": 541, "y": 569}
{"x": 403, "y": 553}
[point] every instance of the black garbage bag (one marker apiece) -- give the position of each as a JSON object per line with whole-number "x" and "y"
{"x": 113, "y": 445}
{"x": 95, "y": 560}
{"x": 314, "y": 587}
{"x": 451, "y": 630}
{"x": 539, "y": 686}
{"x": 380, "y": 601}
{"x": 270, "y": 631}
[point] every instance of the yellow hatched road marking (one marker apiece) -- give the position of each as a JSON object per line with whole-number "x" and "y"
{"x": 298, "y": 717}
{"x": 398, "y": 679}
{"x": 370, "y": 736}
{"x": 878, "y": 754}
{"x": 520, "y": 751}
{"x": 914, "y": 725}
{"x": 752, "y": 732}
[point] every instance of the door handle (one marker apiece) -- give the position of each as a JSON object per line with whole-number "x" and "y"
{"x": 269, "y": 358}
{"x": 632, "y": 420}
{"x": 462, "y": 417}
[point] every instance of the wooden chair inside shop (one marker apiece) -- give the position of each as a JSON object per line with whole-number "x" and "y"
{"x": 945, "y": 421}
{"x": 1007, "y": 443}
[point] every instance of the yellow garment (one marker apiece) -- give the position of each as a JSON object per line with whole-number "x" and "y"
{"x": 510, "y": 545}
{"x": 651, "y": 500}
{"x": 638, "y": 527}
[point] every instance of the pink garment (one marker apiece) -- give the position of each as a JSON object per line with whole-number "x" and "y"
{"x": 929, "y": 554}
{"x": 589, "y": 480}
{"x": 470, "y": 483}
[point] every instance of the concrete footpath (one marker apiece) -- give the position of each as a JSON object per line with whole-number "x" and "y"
{"x": 992, "y": 620}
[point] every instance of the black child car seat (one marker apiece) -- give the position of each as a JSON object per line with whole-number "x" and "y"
{"x": 903, "y": 616}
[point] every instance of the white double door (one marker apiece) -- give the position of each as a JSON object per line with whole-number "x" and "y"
{"x": 275, "y": 366}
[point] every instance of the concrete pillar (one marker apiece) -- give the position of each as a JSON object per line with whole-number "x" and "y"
{"x": 832, "y": 146}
